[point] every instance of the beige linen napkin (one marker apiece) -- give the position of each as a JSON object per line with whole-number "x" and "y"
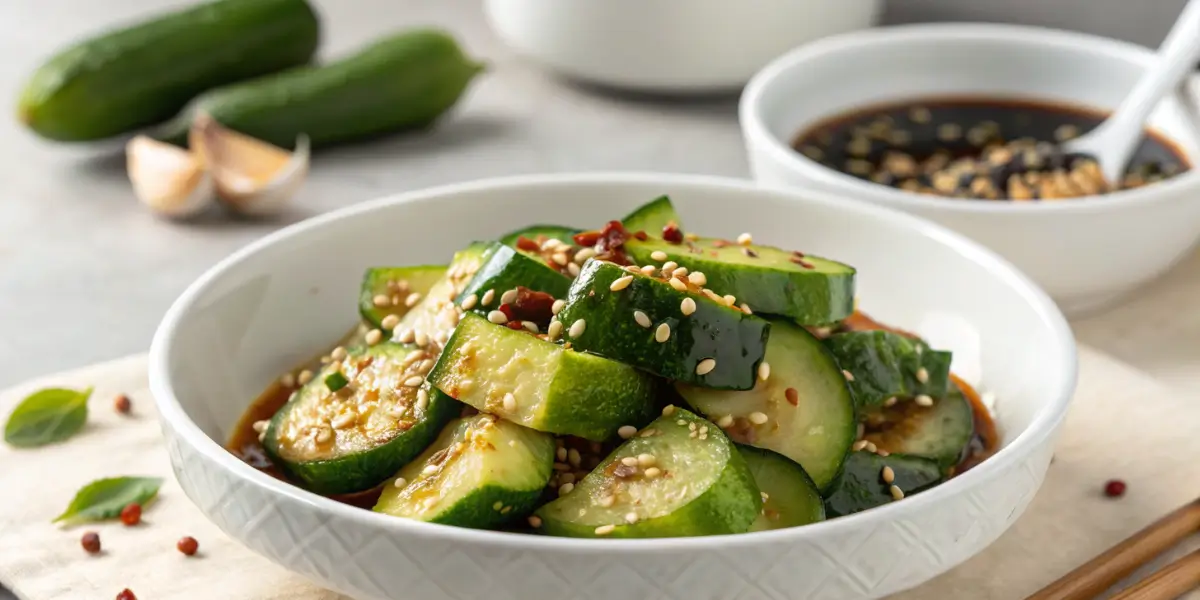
{"x": 1123, "y": 425}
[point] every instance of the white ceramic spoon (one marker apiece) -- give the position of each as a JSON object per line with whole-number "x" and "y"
{"x": 1114, "y": 141}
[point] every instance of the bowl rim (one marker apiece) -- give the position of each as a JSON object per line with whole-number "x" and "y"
{"x": 754, "y": 128}
{"x": 173, "y": 416}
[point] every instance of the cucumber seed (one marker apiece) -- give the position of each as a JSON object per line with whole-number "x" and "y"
{"x": 626, "y": 431}
{"x": 631, "y": 518}
{"x": 687, "y": 307}
{"x": 652, "y": 473}
{"x": 429, "y": 470}
{"x": 565, "y": 489}
{"x": 510, "y": 402}
{"x": 663, "y": 333}
{"x": 381, "y": 301}
{"x": 641, "y": 319}
{"x": 400, "y": 482}
{"x": 497, "y": 317}
{"x": 344, "y": 420}
{"x": 646, "y": 460}
{"x": 630, "y": 461}
{"x": 706, "y": 366}
{"x": 406, "y": 337}
{"x": 607, "y": 501}
{"x": 422, "y": 399}
{"x": 414, "y": 381}
{"x": 725, "y": 422}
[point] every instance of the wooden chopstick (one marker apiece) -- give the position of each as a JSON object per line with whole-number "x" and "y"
{"x": 1100, "y": 573}
{"x": 1168, "y": 583}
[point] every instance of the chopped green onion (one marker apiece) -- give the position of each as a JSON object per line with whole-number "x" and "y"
{"x": 336, "y": 381}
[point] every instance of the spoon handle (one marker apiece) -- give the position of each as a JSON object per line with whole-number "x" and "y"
{"x": 1176, "y": 58}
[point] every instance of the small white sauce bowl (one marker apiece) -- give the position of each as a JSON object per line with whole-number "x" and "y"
{"x": 278, "y": 301}
{"x": 1086, "y": 252}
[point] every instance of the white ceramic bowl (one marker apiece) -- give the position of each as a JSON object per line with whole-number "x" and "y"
{"x": 274, "y": 303}
{"x": 1085, "y": 252}
{"x": 668, "y": 45}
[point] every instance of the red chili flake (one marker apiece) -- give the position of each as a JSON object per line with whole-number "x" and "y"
{"x": 126, "y": 594}
{"x": 802, "y": 262}
{"x": 131, "y": 514}
{"x": 612, "y": 236}
{"x": 526, "y": 244}
{"x": 122, "y": 404}
{"x": 622, "y": 471}
{"x": 91, "y": 542}
{"x": 188, "y": 545}
{"x": 507, "y": 310}
{"x": 640, "y": 235}
{"x": 514, "y": 325}
{"x": 793, "y": 397}
{"x": 587, "y": 238}
{"x": 1114, "y": 488}
{"x": 531, "y": 305}
{"x": 672, "y": 233}
{"x": 797, "y": 254}
{"x": 721, "y": 243}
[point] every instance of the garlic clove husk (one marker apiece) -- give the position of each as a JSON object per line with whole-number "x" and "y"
{"x": 169, "y": 180}
{"x": 252, "y": 177}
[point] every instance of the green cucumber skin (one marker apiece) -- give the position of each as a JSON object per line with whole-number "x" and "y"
{"x": 862, "y": 487}
{"x": 777, "y": 475}
{"x": 144, "y": 74}
{"x": 505, "y": 268}
{"x": 652, "y": 217}
{"x": 808, "y": 297}
{"x": 558, "y": 232}
{"x": 885, "y": 365}
{"x": 730, "y": 505}
{"x": 737, "y": 341}
{"x": 420, "y": 278}
{"x": 399, "y": 83}
{"x": 941, "y": 432}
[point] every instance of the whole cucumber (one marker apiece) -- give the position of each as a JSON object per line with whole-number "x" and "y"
{"x": 146, "y": 73}
{"x": 400, "y": 82}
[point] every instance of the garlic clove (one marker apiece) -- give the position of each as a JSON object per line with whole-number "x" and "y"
{"x": 168, "y": 179}
{"x": 252, "y": 177}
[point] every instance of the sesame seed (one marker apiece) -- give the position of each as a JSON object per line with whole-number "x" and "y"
{"x": 422, "y": 399}
{"x": 605, "y": 529}
{"x": 681, "y": 272}
{"x": 662, "y": 333}
{"x": 890, "y": 402}
{"x": 725, "y": 421}
{"x": 681, "y": 422}
{"x": 706, "y": 366}
{"x": 632, "y": 269}
{"x": 400, "y": 482}
{"x": 577, "y": 328}
{"x": 897, "y": 493}
{"x": 414, "y": 381}
{"x": 397, "y": 300}
{"x": 498, "y": 505}
{"x": 848, "y": 375}
{"x": 745, "y": 239}
{"x": 413, "y": 357}
{"x": 534, "y": 521}
{"x": 573, "y": 269}
{"x": 757, "y": 418}
{"x": 697, "y": 278}
{"x": 487, "y": 297}
{"x": 626, "y": 431}
{"x": 923, "y": 375}
{"x": 559, "y": 259}
{"x": 406, "y": 336}
{"x": 509, "y": 297}
{"x": 646, "y": 460}
{"x": 668, "y": 410}
{"x": 469, "y": 302}
{"x": 584, "y": 254}
{"x": 554, "y": 330}
{"x": 648, "y": 270}
{"x": 412, "y": 299}
{"x": 687, "y": 307}
{"x": 530, "y": 326}
{"x": 565, "y": 489}
{"x": 344, "y": 420}
{"x": 497, "y": 317}
{"x": 304, "y": 377}
{"x": 746, "y": 309}
{"x": 729, "y": 299}
{"x": 261, "y": 426}
{"x": 390, "y": 322}
{"x": 631, "y": 518}
{"x": 510, "y": 402}
{"x": 381, "y": 301}
{"x": 338, "y": 353}
{"x": 883, "y": 453}
{"x": 373, "y": 337}
{"x": 668, "y": 267}
{"x": 557, "y": 306}
{"x": 658, "y": 255}
{"x": 551, "y": 244}
{"x": 871, "y": 447}
{"x": 678, "y": 285}
{"x": 641, "y": 319}
{"x": 288, "y": 380}
{"x": 924, "y": 400}
{"x": 859, "y": 445}
{"x": 888, "y": 475}
{"x": 429, "y": 470}
{"x": 652, "y": 472}
{"x": 703, "y": 429}
{"x": 630, "y": 461}
{"x": 621, "y": 283}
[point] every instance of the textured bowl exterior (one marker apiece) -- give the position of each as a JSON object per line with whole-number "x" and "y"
{"x": 209, "y": 343}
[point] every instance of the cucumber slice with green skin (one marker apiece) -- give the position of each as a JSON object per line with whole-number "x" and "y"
{"x": 504, "y": 269}
{"x": 802, "y": 410}
{"x": 701, "y": 486}
{"x": 350, "y": 440}
{"x": 541, "y": 385}
{"x": 545, "y": 232}
{"x": 941, "y": 432}
{"x": 385, "y": 290}
{"x": 863, "y": 486}
{"x": 789, "y": 496}
{"x": 653, "y": 216}
{"x": 429, "y": 323}
{"x": 885, "y": 365}
{"x": 808, "y": 289}
{"x": 481, "y": 472}
{"x": 627, "y": 324}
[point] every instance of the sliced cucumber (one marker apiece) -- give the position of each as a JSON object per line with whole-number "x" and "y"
{"x": 349, "y": 440}
{"x": 541, "y": 385}
{"x": 652, "y": 217}
{"x": 863, "y": 483}
{"x": 430, "y": 322}
{"x": 789, "y": 496}
{"x": 481, "y": 472}
{"x": 941, "y": 432}
{"x": 505, "y": 269}
{"x": 539, "y": 234}
{"x": 802, "y": 410}
{"x": 386, "y": 290}
{"x": 700, "y": 485}
{"x": 883, "y": 365}
{"x": 808, "y": 289}
{"x": 646, "y": 324}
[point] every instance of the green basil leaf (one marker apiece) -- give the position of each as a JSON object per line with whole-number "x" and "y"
{"x": 47, "y": 416}
{"x": 104, "y": 498}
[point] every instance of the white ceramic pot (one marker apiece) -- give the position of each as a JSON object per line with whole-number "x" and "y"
{"x": 276, "y": 302}
{"x": 1085, "y": 252}
{"x": 668, "y": 45}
